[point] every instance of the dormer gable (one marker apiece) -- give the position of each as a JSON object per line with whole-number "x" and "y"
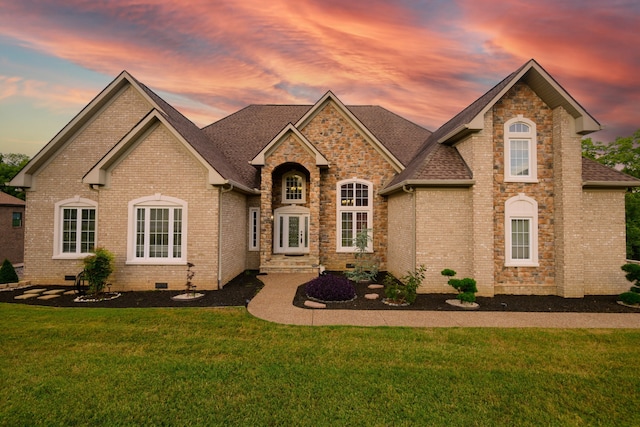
{"x": 24, "y": 178}
{"x": 290, "y": 129}
{"x": 330, "y": 98}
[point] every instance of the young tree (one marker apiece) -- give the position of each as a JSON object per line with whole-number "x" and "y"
{"x": 10, "y": 165}
{"x": 622, "y": 154}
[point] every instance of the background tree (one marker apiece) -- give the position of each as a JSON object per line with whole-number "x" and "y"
{"x": 622, "y": 154}
{"x": 10, "y": 165}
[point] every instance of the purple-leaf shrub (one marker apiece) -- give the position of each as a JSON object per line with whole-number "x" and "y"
{"x": 330, "y": 288}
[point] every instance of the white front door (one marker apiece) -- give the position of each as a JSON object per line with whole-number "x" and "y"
{"x": 291, "y": 230}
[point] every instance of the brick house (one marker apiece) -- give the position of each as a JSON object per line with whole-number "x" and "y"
{"x": 500, "y": 193}
{"x": 11, "y": 228}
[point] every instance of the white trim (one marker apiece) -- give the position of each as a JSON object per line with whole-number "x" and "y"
{"x": 285, "y": 213}
{"x": 156, "y": 201}
{"x": 530, "y": 138}
{"x": 521, "y": 207}
{"x": 254, "y": 229}
{"x": 355, "y": 209}
{"x": 303, "y": 180}
{"x": 78, "y": 203}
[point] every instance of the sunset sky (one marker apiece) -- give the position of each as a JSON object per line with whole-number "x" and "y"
{"x": 425, "y": 60}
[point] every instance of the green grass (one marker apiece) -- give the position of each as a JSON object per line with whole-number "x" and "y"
{"x": 223, "y": 367}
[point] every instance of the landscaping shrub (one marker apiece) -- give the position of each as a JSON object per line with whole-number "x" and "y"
{"x": 8, "y": 273}
{"x": 404, "y": 292}
{"x": 97, "y": 269}
{"x": 466, "y": 287}
{"x": 330, "y": 288}
{"x": 630, "y": 298}
{"x": 633, "y": 275}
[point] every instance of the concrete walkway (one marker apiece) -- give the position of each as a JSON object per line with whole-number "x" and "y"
{"x": 274, "y": 303}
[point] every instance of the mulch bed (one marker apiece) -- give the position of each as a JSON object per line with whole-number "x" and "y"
{"x": 513, "y": 303}
{"x": 245, "y": 286}
{"x": 235, "y": 293}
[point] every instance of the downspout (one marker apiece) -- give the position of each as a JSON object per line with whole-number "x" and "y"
{"x": 221, "y": 191}
{"x": 412, "y": 192}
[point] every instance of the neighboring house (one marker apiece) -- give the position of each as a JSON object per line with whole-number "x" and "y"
{"x": 500, "y": 193}
{"x": 11, "y": 228}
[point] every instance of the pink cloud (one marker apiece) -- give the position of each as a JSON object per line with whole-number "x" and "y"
{"x": 421, "y": 61}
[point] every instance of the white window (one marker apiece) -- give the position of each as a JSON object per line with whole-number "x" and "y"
{"x": 157, "y": 230}
{"x": 521, "y": 232}
{"x": 254, "y": 229}
{"x": 293, "y": 188}
{"x": 74, "y": 234}
{"x": 520, "y": 157}
{"x": 354, "y": 212}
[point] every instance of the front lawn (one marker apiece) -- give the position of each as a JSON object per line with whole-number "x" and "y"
{"x": 220, "y": 366}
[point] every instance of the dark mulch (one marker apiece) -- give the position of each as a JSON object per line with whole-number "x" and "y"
{"x": 244, "y": 287}
{"x": 523, "y": 303}
{"x": 235, "y": 293}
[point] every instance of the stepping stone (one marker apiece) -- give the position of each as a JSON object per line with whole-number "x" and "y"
{"x": 26, "y": 296}
{"x": 375, "y": 286}
{"x": 314, "y": 304}
{"x": 53, "y": 292}
{"x": 35, "y": 291}
{"x": 48, "y": 297}
{"x": 372, "y": 296}
{"x": 69, "y": 293}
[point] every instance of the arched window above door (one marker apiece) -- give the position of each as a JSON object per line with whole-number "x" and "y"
{"x": 293, "y": 188}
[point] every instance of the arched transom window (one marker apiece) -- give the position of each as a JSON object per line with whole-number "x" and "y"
{"x": 293, "y": 188}
{"x": 520, "y": 159}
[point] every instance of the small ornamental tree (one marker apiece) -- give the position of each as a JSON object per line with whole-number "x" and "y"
{"x": 631, "y": 297}
{"x": 466, "y": 287}
{"x": 8, "y": 273}
{"x": 97, "y": 269}
{"x": 366, "y": 267}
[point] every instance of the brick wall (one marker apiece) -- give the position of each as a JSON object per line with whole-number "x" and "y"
{"x": 161, "y": 164}
{"x": 604, "y": 242}
{"x": 234, "y": 237}
{"x": 12, "y": 241}
{"x": 444, "y": 235}
{"x": 402, "y": 237}
{"x": 61, "y": 179}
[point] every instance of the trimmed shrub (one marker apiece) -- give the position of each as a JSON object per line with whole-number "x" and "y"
{"x": 8, "y": 273}
{"x": 330, "y": 288}
{"x": 630, "y": 298}
{"x": 466, "y": 287}
{"x": 97, "y": 269}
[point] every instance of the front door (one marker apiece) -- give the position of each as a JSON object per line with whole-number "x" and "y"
{"x": 291, "y": 230}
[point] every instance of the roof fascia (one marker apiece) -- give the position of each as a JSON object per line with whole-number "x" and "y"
{"x": 259, "y": 159}
{"x": 610, "y": 184}
{"x": 331, "y": 97}
{"x": 98, "y": 175}
{"x": 409, "y": 184}
{"x": 24, "y": 178}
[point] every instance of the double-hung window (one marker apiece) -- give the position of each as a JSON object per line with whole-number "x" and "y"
{"x": 520, "y": 157}
{"x": 75, "y": 228}
{"x": 157, "y": 230}
{"x": 521, "y": 232}
{"x": 354, "y": 212}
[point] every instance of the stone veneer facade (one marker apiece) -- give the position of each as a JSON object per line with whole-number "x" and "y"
{"x": 350, "y": 155}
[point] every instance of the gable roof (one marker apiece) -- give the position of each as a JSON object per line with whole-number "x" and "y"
{"x": 242, "y": 135}
{"x": 471, "y": 119}
{"x": 9, "y": 200}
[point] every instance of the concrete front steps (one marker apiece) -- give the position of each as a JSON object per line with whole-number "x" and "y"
{"x": 291, "y": 264}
